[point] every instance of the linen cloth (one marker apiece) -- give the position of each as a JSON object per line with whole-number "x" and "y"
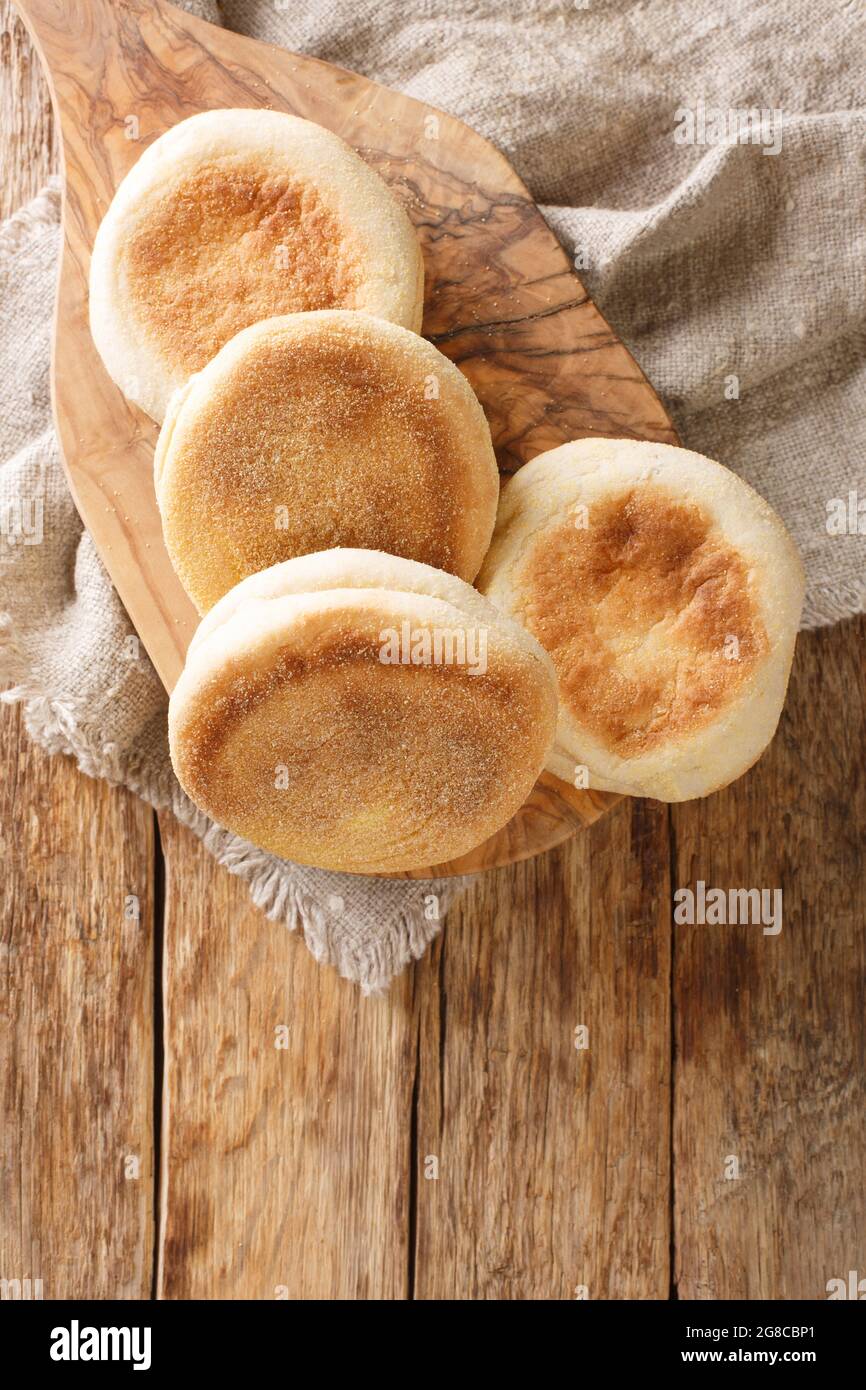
{"x": 733, "y": 270}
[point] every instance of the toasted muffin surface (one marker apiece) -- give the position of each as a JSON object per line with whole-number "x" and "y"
{"x": 368, "y": 729}
{"x": 667, "y": 594}
{"x": 635, "y": 611}
{"x": 320, "y": 430}
{"x": 231, "y": 217}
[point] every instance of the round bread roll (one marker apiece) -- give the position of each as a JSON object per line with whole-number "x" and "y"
{"x": 235, "y": 216}
{"x": 317, "y": 430}
{"x": 361, "y": 712}
{"x": 668, "y": 594}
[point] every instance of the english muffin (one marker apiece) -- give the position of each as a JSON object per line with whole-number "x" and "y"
{"x": 668, "y": 594}
{"x": 318, "y": 430}
{"x": 361, "y": 712}
{"x": 235, "y": 216}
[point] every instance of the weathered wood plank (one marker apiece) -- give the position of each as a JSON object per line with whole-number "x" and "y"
{"x": 285, "y": 1169}
{"x": 771, "y": 1029}
{"x": 28, "y": 148}
{"x": 76, "y": 996}
{"x": 553, "y": 1162}
{"x": 76, "y": 1045}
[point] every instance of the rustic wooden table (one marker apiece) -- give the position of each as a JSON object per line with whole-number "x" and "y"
{"x": 449, "y": 1140}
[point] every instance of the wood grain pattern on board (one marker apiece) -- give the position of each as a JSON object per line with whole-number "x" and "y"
{"x": 502, "y": 300}
{"x": 770, "y": 1031}
{"x": 76, "y": 1037}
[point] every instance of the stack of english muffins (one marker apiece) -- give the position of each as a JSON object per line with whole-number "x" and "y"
{"x": 329, "y": 495}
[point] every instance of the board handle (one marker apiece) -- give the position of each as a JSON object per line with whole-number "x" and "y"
{"x": 96, "y": 54}
{"x": 73, "y": 36}
{"x": 52, "y": 22}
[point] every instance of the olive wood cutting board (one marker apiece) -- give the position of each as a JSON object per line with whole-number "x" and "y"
{"x": 502, "y": 297}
